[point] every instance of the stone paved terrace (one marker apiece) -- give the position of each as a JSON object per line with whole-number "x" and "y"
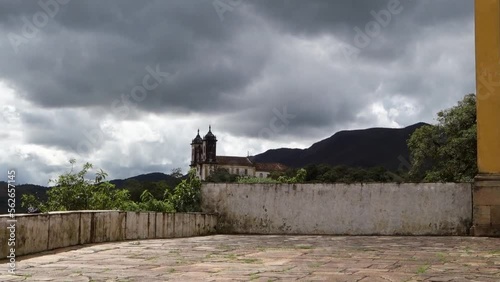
{"x": 270, "y": 258}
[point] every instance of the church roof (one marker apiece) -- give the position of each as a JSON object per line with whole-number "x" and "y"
{"x": 270, "y": 167}
{"x": 227, "y": 160}
{"x": 209, "y": 135}
{"x": 197, "y": 139}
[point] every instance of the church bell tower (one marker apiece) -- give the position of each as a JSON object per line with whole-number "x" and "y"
{"x": 196, "y": 150}
{"x": 209, "y": 154}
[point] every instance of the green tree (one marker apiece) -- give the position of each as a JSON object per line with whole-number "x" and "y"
{"x": 446, "y": 152}
{"x": 72, "y": 191}
{"x": 324, "y": 173}
{"x": 135, "y": 189}
{"x": 299, "y": 177}
{"x": 176, "y": 172}
{"x": 288, "y": 173}
{"x": 157, "y": 189}
{"x": 150, "y": 203}
{"x": 378, "y": 174}
{"x": 187, "y": 194}
{"x": 222, "y": 175}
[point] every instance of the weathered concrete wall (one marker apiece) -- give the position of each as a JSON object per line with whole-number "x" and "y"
{"x": 42, "y": 232}
{"x": 487, "y": 206}
{"x": 341, "y": 209}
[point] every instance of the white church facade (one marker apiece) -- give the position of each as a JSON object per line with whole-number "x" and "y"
{"x": 205, "y": 160}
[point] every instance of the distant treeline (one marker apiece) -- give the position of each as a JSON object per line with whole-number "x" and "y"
{"x": 321, "y": 173}
{"x": 135, "y": 188}
{"x": 344, "y": 174}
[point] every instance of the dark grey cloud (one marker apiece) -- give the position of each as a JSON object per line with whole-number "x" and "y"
{"x": 311, "y": 18}
{"x": 64, "y": 129}
{"x": 100, "y": 49}
{"x": 323, "y": 16}
{"x": 83, "y": 67}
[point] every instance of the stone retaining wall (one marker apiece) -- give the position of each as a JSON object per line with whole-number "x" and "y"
{"x": 341, "y": 209}
{"x": 41, "y": 232}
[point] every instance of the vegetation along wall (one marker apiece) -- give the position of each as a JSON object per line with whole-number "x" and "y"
{"x": 341, "y": 209}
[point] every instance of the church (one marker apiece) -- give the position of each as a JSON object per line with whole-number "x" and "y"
{"x": 204, "y": 158}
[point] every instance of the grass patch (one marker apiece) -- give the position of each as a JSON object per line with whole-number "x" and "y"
{"x": 254, "y": 276}
{"x": 250, "y": 260}
{"x": 283, "y": 270}
{"x": 278, "y": 248}
{"x": 423, "y": 269}
{"x": 151, "y": 258}
{"x": 215, "y": 271}
{"x": 225, "y": 247}
{"x": 175, "y": 252}
{"x": 315, "y": 264}
{"x": 231, "y": 256}
{"x": 467, "y": 250}
{"x": 304, "y": 247}
{"x": 171, "y": 270}
{"x": 441, "y": 257}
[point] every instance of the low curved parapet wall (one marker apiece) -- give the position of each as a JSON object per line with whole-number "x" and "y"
{"x": 41, "y": 232}
{"x": 341, "y": 209}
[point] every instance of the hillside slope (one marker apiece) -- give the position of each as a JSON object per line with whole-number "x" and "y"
{"x": 356, "y": 148}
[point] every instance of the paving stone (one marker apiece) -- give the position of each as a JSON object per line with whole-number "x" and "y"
{"x": 270, "y": 258}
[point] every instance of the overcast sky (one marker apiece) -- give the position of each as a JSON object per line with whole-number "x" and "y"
{"x": 126, "y": 84}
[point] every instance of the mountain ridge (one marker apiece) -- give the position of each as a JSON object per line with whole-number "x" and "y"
{"x": 366, "y": 148}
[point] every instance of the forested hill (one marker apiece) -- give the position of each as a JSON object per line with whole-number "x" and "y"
{"x": 147, "y": 178}
{"x": 355, "y": 148}
{"x": 19, "y": 190}
{"x": 155, "y": 182}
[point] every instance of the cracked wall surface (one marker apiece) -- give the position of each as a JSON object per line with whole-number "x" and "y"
{"x": 341, "y": 209}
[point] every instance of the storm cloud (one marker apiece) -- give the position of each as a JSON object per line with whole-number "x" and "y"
{"x": 126, "y": 84}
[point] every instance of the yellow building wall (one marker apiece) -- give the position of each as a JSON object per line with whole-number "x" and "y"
{"x": 487, "y": 17}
